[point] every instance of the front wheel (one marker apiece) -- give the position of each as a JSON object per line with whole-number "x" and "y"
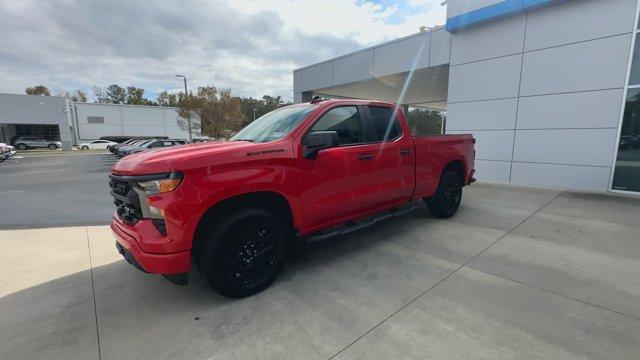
{"x": 446, "y": 201}
{"x": 21, "y": 146}
{"x": 52, "y": 146}
{"x": 85, "y": 147}
{"x": 244, "y": 253}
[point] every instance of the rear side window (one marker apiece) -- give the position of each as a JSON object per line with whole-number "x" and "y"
{"x": 344, "y": 120}
{"x": 384, "y": 125}
{"x": 423, "y": 121}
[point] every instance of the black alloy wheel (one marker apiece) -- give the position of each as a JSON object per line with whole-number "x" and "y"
{"x": 245, "y": 253}
{"x": 452, "y": 195}
{"x": 250, "y": 252}
{"x": 446, "y": 201}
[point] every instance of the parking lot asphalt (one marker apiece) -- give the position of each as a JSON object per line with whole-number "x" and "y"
{"x": 518, "y": 273}
{"x": 55, "y": 189}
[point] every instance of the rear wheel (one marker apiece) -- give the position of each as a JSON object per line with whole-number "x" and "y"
{"x": 21, "y": 146}
{"x": 244, "y": 253}
{"x": 446, "y": 201}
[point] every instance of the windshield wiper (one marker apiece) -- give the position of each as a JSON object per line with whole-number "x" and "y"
{"x": 249, "y": 140}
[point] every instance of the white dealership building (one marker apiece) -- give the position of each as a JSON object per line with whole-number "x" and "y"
{"x": 550, "y": 88}
{"x": 56, "y": 118}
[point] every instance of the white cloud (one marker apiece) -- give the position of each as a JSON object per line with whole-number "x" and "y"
{"x": 250, "y": 46}
{"x": 367, "y": 22}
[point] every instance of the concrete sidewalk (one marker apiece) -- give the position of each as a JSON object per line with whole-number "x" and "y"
{"x": 518, "y": 273}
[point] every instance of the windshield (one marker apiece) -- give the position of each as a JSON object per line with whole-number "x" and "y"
{"x": 142, "y": 143}
{"x": 274, "y": 125}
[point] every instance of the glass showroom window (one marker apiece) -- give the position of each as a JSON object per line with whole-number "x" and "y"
{"x": 626, "y": 176}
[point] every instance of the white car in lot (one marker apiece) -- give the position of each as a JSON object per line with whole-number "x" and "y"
{"x": 96, "y": 144}
{"x": 10, "y": 150}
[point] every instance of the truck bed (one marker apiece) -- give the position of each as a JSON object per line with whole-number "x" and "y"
{"x": 433, "y": 152}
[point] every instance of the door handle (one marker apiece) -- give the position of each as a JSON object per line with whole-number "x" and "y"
{"x": 365, "y": 157}
{"x": 405, "y": 152}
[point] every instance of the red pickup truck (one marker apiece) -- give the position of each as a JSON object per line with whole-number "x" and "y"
{"x": 302, "y": 172}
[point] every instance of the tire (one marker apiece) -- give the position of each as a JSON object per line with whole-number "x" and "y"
{"x": 244, "y": 253}
{"x": 52, "y": 146}
{"x": 85, "y": 147}
{"x": 21, "y": 146}
{"x": 446, "y": 201}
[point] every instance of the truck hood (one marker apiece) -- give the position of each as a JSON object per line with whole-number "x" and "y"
{"x": 165, "y": 160}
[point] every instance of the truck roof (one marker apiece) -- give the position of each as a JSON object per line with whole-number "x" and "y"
{"x": 318, "y": 100}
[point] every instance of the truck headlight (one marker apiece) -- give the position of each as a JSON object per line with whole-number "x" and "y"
{"x": 160, "y": 186}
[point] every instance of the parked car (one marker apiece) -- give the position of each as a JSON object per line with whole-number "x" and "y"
{"x": 11, "y": 149}
{"x": 121, "y": 149}
{"x": 96, "y": 144}
{"x": 6, "y": 151}
{"x": 302, "y": 172}
{"x": 115, "y": 148}
{"x": 151, "y": 145}
{"x": 31, "y": 142}
{"x": 197, "y": 140}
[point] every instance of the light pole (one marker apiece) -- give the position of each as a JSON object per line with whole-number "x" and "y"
{"x": 254, "y": 114}
{"x": 185, "y": 98}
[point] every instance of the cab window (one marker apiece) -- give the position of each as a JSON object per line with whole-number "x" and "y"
{"x": 383, "y": 123}
{"x": 344, "y": 120}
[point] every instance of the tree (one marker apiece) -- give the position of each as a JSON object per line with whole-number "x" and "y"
{"x": 135, "y": 96}
{"x": 261, "y": 106}
{"x": 101, "y": 96}
{"x": 167, "y": 99}
{"x": 188, "y": 114}
{"x": 37, "y": 90}
{"x": 221, "y": 114}
{"x": 115, "y": 94}
{"x": 213, "y": 112}
{"x": 79, "y": 96}
{"x": 424, "y": 121}
{"x": 76, "y": 96}
{"x": 271, "y": 103}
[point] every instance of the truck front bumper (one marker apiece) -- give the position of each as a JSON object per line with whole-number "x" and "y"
{"x": 128, "y": 239}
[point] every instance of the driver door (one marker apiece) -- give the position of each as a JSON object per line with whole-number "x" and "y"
{"x": 339, "y": 182}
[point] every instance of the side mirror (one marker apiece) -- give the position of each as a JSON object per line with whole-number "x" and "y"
{"x": 319, "y": 140}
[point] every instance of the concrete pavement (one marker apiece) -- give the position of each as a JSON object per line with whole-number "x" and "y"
{"x": 56, "y": 190}
{"x": 518, "y": 273}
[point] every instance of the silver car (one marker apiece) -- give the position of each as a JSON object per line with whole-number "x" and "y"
{"x": 28, "y": 142}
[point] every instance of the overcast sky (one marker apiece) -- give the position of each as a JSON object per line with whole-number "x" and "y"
{"x": 250, "y": 46}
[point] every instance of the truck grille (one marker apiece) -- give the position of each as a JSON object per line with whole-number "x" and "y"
{"x": 126, "y": 200}
{"x": 119, "y": 187}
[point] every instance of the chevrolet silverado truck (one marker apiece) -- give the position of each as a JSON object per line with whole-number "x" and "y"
{"x": 304, "y": 172}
